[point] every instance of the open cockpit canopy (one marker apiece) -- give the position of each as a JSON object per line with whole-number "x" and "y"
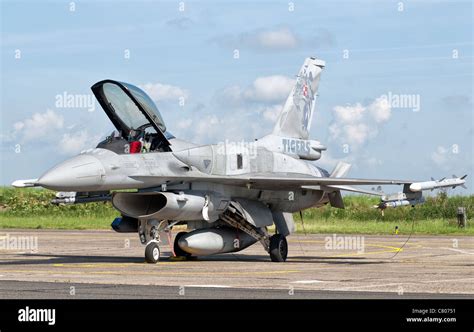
{"x": 131, "y": 111}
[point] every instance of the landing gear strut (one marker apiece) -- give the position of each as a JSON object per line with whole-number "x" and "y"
{"x": 278, "y": 248}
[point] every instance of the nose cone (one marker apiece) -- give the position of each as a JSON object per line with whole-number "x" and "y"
{"x": 80, "y": 173}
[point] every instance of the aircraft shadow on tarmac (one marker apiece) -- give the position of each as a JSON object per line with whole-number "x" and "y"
{"x": 295, "y": 259}
{"x": 74, "y": 259}
{"x": 67, "y": 259}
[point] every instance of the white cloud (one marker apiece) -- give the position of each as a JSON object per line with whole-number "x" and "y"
{"x": 265, "y": 89}
{"x": 73, "y": 143}
{"x": 164, "y": 92}
{"x": 231, "y": 96}
{"x": 207, "y": 128}
{"x": 440, "y": 155}
{"x": 349, "y": 114}
{"x": 271, "y": 113}
{"x": 279, "y": 38}
{"x": 357, "y": 133}
{"x": 19, "y": 126}
{"x": 270, "y": 88}
{"x": 380, "y": 110}
{"x": 50, "y": 128}
{"x": 261, "y": 100}
{"x": 206, "y": 125}
{"x": 38, "y": 126}
{"x": 356, "y": 124}
{"x": 235, "y": 124}
{"x": 184, "y": 124}
{"x": 451, "y": 159}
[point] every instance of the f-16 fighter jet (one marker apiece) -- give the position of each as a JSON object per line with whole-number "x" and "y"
{"x": 228, "y": 195}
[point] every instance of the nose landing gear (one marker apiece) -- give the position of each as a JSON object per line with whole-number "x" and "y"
{"x": 149, "y": 233}
{"x": 152, "y": 252}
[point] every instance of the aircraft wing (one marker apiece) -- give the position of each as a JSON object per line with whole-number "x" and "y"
{"x": 332, "y": 185}
{"x": 273, "y": 182}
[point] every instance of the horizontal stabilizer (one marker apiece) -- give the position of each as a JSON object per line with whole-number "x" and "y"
{"x": 340, "y": 170}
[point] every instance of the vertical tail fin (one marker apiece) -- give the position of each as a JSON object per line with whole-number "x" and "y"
{"x": 295, "y": 119}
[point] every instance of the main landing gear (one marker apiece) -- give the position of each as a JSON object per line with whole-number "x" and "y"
{"x": 278, "y": 248}
{"x": 275, "y": 245}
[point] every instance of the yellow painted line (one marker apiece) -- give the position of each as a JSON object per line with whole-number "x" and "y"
{"x": 366, "y": 253}
{"x": 383, "y": 246}
{"x": 412, "y": 245}
{"x": 306, "y": 241}
{"x": 391, "y": 250}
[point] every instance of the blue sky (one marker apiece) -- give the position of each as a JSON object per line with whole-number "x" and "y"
{"x": 371, "y": 48}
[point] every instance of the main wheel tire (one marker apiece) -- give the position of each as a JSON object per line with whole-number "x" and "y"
{"x": 152, "y": 253}
{"x": 278, "y": 248}
{"x": 177, "y": 249}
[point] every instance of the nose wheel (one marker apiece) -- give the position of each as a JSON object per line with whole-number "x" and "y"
{"x": 152, "y": 252}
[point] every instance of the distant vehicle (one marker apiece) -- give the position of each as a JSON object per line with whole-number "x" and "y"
{"x": 227, "y": 194}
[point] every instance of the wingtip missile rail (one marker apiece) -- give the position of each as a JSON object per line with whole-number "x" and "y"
{"x": 443, "y": 183}
{"x": 412, "y": 194}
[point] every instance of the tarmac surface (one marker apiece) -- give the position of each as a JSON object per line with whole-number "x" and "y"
{"x": 104, "y": 264}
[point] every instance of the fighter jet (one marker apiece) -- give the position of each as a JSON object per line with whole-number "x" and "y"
{"x": 228, "y": 194}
